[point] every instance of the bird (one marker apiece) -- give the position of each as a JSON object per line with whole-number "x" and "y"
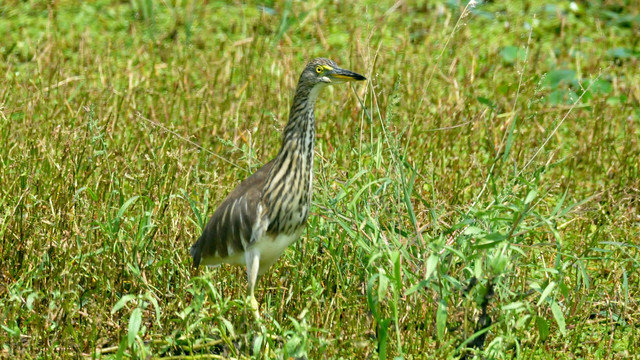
{"x": 268, "y": 211}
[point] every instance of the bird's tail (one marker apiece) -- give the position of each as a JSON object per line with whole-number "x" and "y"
{"x": 196, "y": 252}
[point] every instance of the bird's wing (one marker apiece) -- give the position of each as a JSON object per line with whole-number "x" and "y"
{"x": 230, "y": 228}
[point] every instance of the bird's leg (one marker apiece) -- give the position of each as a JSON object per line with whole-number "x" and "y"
{"x": 253, "y": 265}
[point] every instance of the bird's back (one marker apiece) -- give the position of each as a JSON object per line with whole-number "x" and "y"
{"x": 229, "y": 230}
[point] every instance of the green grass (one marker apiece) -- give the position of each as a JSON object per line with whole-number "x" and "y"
{"x": 484, "y": 180}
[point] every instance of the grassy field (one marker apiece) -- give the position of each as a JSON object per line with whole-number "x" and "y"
{"x": 478, "y": 195}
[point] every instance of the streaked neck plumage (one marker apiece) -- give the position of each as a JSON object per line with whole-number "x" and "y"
{"x": 301, "y": 123}
{"x": 290, "y": 179}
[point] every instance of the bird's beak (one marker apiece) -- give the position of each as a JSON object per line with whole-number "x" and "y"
{"x": 342, "y": 75}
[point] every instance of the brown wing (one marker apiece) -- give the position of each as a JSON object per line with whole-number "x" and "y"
{"x": 231, "y": 225}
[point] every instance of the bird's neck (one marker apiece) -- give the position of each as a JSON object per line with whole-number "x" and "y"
{"x": 299, "y": 134}
{"x": 289, "y": 183}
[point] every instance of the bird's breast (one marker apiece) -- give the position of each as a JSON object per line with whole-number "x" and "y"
{"x": 288, "y": 195}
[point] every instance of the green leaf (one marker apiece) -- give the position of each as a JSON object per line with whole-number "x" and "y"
{"x": 473, "y": 230}
{"x": 485, "y": 101}
{"x": 559, "y": 317}
{"x": 535, "y": 286}
{"x": 511, "y": 54}
{"x": 293, "y": 345}
{"x": 530, "y": 196}
{"x": 546, "y": 292}
{"x": 478, "y": 267}
{"x": 616, "y": 317}
{"x": 416, "y": 287}
{"x": 126, "y": 205}
{"x": 524, "y": 320}
{"x": 93, "y": 195}
{"x": 543, "y": 327}
{"x": 556, "y": 78}
{"x": 601, "y": 87}
{"x": 498, "y": 263}
{"x": 121, "y": 348}
{"x": 495, "y": 236}
{"x": 490, "y": 240}
{"x": 397, "y": 270}
{"x": 441, "y": 318}
{"x": 156, "y": 307}
{"x": 432, "y": 263}
{"x": 383, "y": 284}
{"x": 562, "y": 97}
{"x": 347, "y": 227}
{"x": 257, "y": 344}
{"x": 620, "y": 53}
{"x": 229, "y": 326}
{"x": 31, "y": 299}
{"x": 558, "y": 206}
{"x": 566, "y": 210}
{"x": 135, "y": 320}
{"x": 15, "y": 331}
{"x": 617, "y": 100}
{"x": 564, "y": 289}
{"x": 514, "y": 306}
{"x": 121, "y": 303}
{"x": 383, "y": 330}
{"x": 507, "y": 148}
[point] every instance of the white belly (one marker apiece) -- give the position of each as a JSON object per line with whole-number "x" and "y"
{"x": 268, "y": 247}
{"x": 271, "y": 248}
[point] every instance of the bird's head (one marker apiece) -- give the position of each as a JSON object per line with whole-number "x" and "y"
{"x": 326, "y": 72}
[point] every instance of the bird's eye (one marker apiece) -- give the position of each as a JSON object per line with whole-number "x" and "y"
{"x": 319, "y": 69}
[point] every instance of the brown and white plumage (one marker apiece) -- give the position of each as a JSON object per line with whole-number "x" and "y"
{"x": 268, "y": 210}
